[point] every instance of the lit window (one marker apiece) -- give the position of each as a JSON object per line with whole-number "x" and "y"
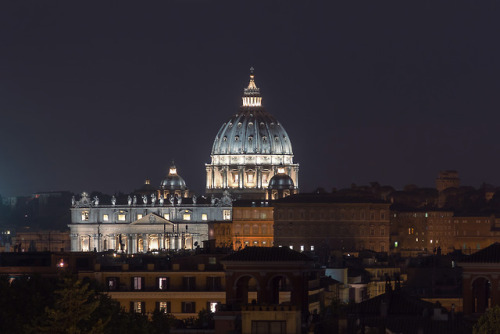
{"x": 163, "y": 283}
{"x": 105, "y": 218}
{"x": 301, "y": 248}
{"x": 85, "y": 215}
{"x": 226, "y": 214}
{"x": 213, "y": 307}
{"x": 186, "y": 216}
{"x": 312, "y": 248}
{"x": 164, "y": 307}
{"x": 138, "y": 307}
{"x": 264, "y": 243}
{"x": 137, "y": 283}
{"x": 255, "y": 243}
{"x": 250, "y": 178}
{"x": 121, "y": 217}
{"x": 166, "y": 216}
{"x": 416, "y": 239}
{"x": 139, "y": 216}
{"x": 291, "y": 247}
{"x": 204, "y": 216}
{"x": 395, "y": 244}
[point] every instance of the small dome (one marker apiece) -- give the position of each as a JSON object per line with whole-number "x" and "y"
{"x": 173, "y": 181}
{"x": 281, "y": 181}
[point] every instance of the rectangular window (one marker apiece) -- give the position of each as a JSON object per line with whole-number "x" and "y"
{"x": 212, "y": 306}
{"x": 166, "y": 216}
{"x": 137, "y": 307}
{"x": 312, "y": 248}
{"x": 121, "y": 217}
{"x": 137, "y": 283}
{"x": 204, "y": 216}
{"x": 188, "y": 307}
{"x": 214, "y": 283}
{"x": 139, "y": 216}
{"x": 268, "y": 327}
{"x": 189, "y": 283}
{"x": 226, "y": 214}
{"x": 163, "y": 283}
{"x": 85, "y": 215}
{"x": 105, "y": 218}
{"x": 301, "y": 248}
{"x": 163, "y": 307}
{"x": 186, "y": 216}
{"x": 112, "y": 283}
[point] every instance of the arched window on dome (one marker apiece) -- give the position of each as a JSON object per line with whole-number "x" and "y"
{"x": 237, "y": 138}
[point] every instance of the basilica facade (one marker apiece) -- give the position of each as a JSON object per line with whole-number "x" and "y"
{"x": 251, "y": 158}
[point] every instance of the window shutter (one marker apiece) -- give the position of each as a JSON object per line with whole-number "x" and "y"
{"x": 168, "y": 308}
{"x": 143, "y": 283}
{"x": 157, "y": 307}
{"x": 143, "y": 307}
{"x": 131, "y": 307}
{"x": 131, "y": 283}
{"x": 183, "y": 307}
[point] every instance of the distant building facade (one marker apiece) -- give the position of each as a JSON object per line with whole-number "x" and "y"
{"x": 141, "y": 227}
{"x": 314, "y": 222}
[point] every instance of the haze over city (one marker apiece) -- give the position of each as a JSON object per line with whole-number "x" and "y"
{"x": 99, "y": 96}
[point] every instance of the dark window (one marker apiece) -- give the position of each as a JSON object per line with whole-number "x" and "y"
{"x": 163, "y": 283}
{"x": 268, "y": 327}
{"x": 188, "y": 307}
{"x": 214, "y": 283}
{"x": 189, "y": 283}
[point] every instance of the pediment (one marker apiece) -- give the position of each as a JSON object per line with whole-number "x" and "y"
{"x": 152, "y": 219}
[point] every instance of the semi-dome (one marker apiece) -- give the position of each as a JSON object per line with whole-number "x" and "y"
{"x": 281, "y": 181}
{"x": 173, "y": 181}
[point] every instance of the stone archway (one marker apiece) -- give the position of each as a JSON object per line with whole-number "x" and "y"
{"x": 276, "y": 284}
{"x": 481, "y": 294}
{"x": 242, "y": 285}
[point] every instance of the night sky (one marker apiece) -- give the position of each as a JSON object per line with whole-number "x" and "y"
{"x": 100, "y": 95}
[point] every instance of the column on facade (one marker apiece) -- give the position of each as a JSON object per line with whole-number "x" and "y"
{"x": 241, "y": 177}
{"x": 161, "y": 240}
{"x": 224, "y": 176}
{"x": 133, "y": 248}
{"x": 145, "y": 243}
{"x": 75, "y": 245}
{"x": 258, "y": 177}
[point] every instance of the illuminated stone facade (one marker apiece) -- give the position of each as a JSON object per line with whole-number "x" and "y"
{"x": 148, "y": 226}
{"x": 248, "y": 150}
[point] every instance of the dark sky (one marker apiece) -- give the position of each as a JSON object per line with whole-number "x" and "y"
{"x": 100, "y": 95}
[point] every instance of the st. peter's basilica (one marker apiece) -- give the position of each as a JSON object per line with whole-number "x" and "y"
{"x": 251, "y": 159}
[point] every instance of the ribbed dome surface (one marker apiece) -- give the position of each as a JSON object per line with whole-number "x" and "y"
{"x": 252, "y": 131}
{"x": 281, "y": 181}
{"x": 173, "y": 182}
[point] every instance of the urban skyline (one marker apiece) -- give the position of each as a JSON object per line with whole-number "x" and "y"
{"x": 99, "y": 98}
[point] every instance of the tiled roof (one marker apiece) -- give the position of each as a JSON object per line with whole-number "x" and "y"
{"x": 490, "y": 254}
{"x": 398, "y": 303}
{"x": 267, "y": 254}
{"x": 328, "y": 198}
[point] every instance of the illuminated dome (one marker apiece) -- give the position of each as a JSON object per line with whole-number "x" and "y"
{"x": 173, "y": 181}
{"x": 248, "y": 150}
{"x": 281, "y": 181}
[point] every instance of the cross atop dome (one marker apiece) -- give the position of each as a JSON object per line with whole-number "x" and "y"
{"x": 251, "y": 96}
